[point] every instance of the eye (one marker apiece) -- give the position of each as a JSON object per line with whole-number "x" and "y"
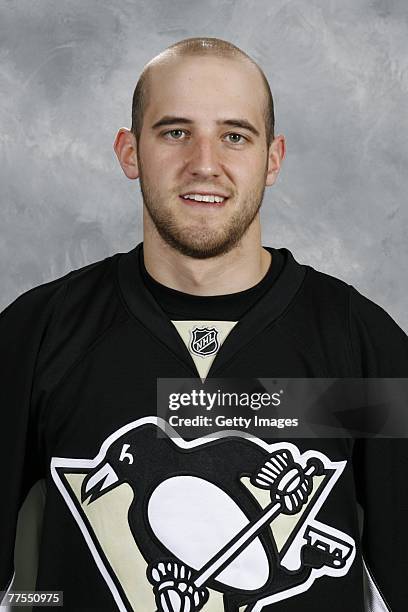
{"x": 175, "y": 134}
{"x": 234, "y": 138}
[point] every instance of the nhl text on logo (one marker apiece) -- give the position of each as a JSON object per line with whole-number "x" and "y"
{"x": 204, "y": 341}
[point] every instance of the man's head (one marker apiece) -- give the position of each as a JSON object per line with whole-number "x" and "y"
{"x": 200, "y": 47}
{"x": 202, "y": 123}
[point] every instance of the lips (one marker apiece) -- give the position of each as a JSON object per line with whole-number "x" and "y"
{"x": 202, "y": 203}
{"x": 204, "y": 198}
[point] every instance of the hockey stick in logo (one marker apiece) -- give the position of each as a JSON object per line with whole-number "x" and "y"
{"x": 178, "y": 589}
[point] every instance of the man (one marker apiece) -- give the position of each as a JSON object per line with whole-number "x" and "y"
{"x": 136, "y": 516}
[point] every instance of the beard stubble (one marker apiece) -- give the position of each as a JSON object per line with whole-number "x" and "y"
{"x": 200, "y": 242}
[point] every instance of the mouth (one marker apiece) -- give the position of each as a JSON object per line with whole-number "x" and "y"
{"x": 212, "y": 200}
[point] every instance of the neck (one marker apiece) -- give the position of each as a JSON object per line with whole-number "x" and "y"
{"x": 242, "y": 267}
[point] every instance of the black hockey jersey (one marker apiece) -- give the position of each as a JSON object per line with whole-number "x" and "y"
{"x": 137, "y": 519}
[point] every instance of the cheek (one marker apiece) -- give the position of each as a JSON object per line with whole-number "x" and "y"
{"x": 165, "y": 163}
{"x": 157, "y": 169}
{"x": 247, "y": 165}
{"x": 248, "y": 174}
{"x": 152, "y": 156}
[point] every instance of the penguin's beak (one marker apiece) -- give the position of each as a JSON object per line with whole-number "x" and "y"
{"x": 97, "y": 482}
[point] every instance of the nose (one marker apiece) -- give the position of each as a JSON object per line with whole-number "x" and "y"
{"x": 203, "y": 161}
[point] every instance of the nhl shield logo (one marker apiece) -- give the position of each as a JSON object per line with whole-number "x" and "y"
{"x": 204, "y": 341}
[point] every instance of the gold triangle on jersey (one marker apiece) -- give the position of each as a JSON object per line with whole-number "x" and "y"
{"x": 203, "y": 339}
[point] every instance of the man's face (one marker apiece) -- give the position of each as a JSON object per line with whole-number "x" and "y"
{"x": 203, "y": 136}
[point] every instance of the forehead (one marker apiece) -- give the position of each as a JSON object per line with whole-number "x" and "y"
{"x": 206, "y": 87}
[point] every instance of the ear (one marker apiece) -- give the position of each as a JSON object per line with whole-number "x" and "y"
{"x": 125, "y": 147}
{"x": 276, "y": 154}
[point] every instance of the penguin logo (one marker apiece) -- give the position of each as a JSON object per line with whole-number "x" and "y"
{"x": 207, "y": 524}
{"x": 204, "y": 341}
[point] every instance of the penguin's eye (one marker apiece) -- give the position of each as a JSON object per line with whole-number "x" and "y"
{"x": 125, "y": 455}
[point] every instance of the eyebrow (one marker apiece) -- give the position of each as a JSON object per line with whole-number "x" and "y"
{"x": 240, "y": 123}
{"x": 170, "y": 120}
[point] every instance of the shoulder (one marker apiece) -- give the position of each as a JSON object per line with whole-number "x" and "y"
{"x": 321, "y": 297}
{"x": 377, "y": 340}
{"x": 45, "y": 296}
{"x": 378, "y": 345}
{"x": 50, "y": 326}
{"x": 70, "y": 310}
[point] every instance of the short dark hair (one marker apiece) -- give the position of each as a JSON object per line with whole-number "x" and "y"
{"x": 197, "y": 46}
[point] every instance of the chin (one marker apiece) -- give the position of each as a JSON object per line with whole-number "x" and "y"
{"x": 202, "y": 249}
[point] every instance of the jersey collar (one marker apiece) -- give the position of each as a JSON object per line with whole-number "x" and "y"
{"x": 264, "y": 313}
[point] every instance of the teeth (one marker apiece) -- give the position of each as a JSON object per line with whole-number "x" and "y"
{"x": 203, "y": 198}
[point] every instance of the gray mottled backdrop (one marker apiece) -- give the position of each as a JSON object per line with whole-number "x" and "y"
{"x": 338, "y": 70}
